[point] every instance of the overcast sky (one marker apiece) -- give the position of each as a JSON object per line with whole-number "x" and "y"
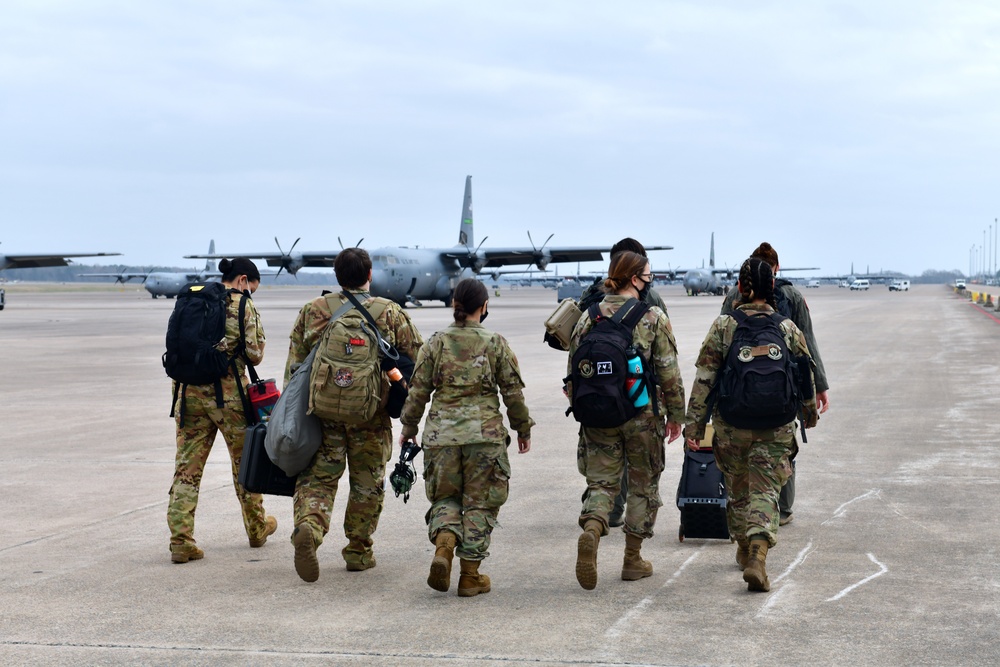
{"x": 864, "y": 132}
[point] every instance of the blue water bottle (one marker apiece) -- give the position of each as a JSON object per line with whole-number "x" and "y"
{"x": 637, "y": 391}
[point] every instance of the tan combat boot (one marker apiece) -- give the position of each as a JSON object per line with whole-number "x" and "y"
{"x": 306, "y": 563}
{"x": 470, "y": 582}
{"x": 755, "y": 575}
{"x": 184, "y": 554}
{"x": 634, "y": 566}
{"x": 440, "y": 577}
{"x": 586, "y": 554}
{"x": 270, "y": 525}
{"x": 742, "y": 552}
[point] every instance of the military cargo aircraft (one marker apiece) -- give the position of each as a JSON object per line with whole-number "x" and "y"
{"x": 165, "y": 283}
{"x": 409, "y": 275}
{"x": 35, "y": 261}
{"x": 711, "y": 280}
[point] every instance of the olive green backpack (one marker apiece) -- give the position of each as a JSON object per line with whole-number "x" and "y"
{"x": 346, "y": 380}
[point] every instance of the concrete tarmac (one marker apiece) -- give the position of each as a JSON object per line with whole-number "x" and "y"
{"x": 892, "y": 558}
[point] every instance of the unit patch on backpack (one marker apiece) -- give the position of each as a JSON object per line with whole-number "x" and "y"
{"x": 196, "y": 327}
{"x": 758, "y": 384}
{"x": 346, "y": 380}
{"x": 599, "y": 368}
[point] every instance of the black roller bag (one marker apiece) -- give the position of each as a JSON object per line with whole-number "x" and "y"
{"x": 701, "y": 497}
{"x": 257, "y": 473}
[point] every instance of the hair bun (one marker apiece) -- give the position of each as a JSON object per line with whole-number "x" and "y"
{"x": 225, "y": 265}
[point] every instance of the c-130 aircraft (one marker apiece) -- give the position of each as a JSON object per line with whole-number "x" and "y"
{"x": 410, "y": 275}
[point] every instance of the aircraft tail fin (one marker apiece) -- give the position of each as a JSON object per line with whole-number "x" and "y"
{"x": 711, "y": 253}
{"x": 210, "y": 264}
{"x": 465, "y": 236}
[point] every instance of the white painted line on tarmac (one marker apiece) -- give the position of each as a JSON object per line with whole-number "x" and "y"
{"x": 616, "y": 630}
{"x": 837, "y": 513}
{"x": 882, "y": 570}
{"x": 772, "y": 599}
{"x": 795, "y": 563}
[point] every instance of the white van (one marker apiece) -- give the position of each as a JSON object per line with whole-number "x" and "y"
{"x": 860, "y": 284}
{"x": 899, "y": 286}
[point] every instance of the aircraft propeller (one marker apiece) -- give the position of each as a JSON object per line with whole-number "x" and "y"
{"x": 541, "y": 259}
{"x": 286, "y": 257}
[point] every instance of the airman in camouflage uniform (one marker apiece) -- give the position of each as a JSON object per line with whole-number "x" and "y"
{"x": 792, "y": 305}
{"x": 602, "y": 452}
{"x": 203, "y": 419}
{"x": 361, "y": 449}
{"x": 466, "y": 469}
{"x": 754, "y": 462}
{"x": 595, "y": 292}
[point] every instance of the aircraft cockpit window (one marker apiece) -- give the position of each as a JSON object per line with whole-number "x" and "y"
{"x": 392, "y": 259}
{"x": 378, "y": 261}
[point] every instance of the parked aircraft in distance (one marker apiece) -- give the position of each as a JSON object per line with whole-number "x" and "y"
{"x": 37, "y": 260}
{"x": 711, "y": 280}
{"x": 407, "y": 275}
{"x": 166, "y": 283}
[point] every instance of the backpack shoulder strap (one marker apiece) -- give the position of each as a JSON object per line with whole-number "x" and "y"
{"x": 594, "y": 311}
{"x": 386, "y": 349}
{"x": 630, "y": 313}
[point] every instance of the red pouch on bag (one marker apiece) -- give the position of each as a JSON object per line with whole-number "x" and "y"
{"x": 263, "y": 395}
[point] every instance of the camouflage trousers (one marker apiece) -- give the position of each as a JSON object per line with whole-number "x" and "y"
{"x": 363, "y": 451}
{"x": 466, "y": 485}
{"x": 203, "y": 419}
{"x": 755, "y": 464}
{"x": 601, "y": 455}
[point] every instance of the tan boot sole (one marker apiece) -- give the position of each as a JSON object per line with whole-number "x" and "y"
{"x": 440, "y": 577}
{"x": 586, "y": 560}
{"x": 185, "y": 556}
{"x": 756, "y": 581}
{"x": 306, "y": 563}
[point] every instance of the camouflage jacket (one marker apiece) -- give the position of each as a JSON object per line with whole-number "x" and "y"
{"x": 799, "y": 315}
{"x": 652, "y": 297}
{"x": 254, "y": 348}
{"x": 394, "y": 325}
{"x": 713, "y": 355}
{"x": 464, "y": 366}
{"x": 653, "y": 338}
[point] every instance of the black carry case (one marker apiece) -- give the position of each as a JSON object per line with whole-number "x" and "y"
{"x": 701, "y": 497}
{"x": 257, "y": 473}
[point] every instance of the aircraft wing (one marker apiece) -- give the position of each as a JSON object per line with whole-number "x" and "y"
{"x": 540, "y": 257}
{"x": 39, "y": 261}
{"x": 797, "y": 268}
{"x": 122, "y": 277}
{"x": 313, "y": 259}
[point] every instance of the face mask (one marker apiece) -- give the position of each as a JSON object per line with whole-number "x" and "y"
{"x": 482, "y": 318}
{"x": 645, "y": 289}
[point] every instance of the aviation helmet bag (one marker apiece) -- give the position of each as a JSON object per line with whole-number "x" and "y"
{"x": 346, "y": 381}
{"x": 600, "y": 369}
{"x": 758, "y": 384}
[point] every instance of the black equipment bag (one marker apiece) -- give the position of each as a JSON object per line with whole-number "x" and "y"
{"x": 600, "y": 368}
{"x": 701, "y": 497}
{"x": 257, "y": 473}
{"x": 758, "y": 384}
{"x": 196, "y": 326}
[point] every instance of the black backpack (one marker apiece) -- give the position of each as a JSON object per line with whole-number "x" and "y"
{"x": 600, "y": 369}
{"x": 196, "y": 326}
{"x": 758, "y": 386}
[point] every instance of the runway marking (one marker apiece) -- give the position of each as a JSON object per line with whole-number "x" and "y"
{"x": 772, "y": 599}
{"x": 795, "y": 563}
{"x": 882, "y": 570}
{"x": 616, "y": 630}
{"x": 837, "y": 513}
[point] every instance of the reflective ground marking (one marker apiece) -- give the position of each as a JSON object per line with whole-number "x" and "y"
{"x": 882, "y": 570}
{"x": 986, "y": 313}
{"x": 615, "y": 630}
